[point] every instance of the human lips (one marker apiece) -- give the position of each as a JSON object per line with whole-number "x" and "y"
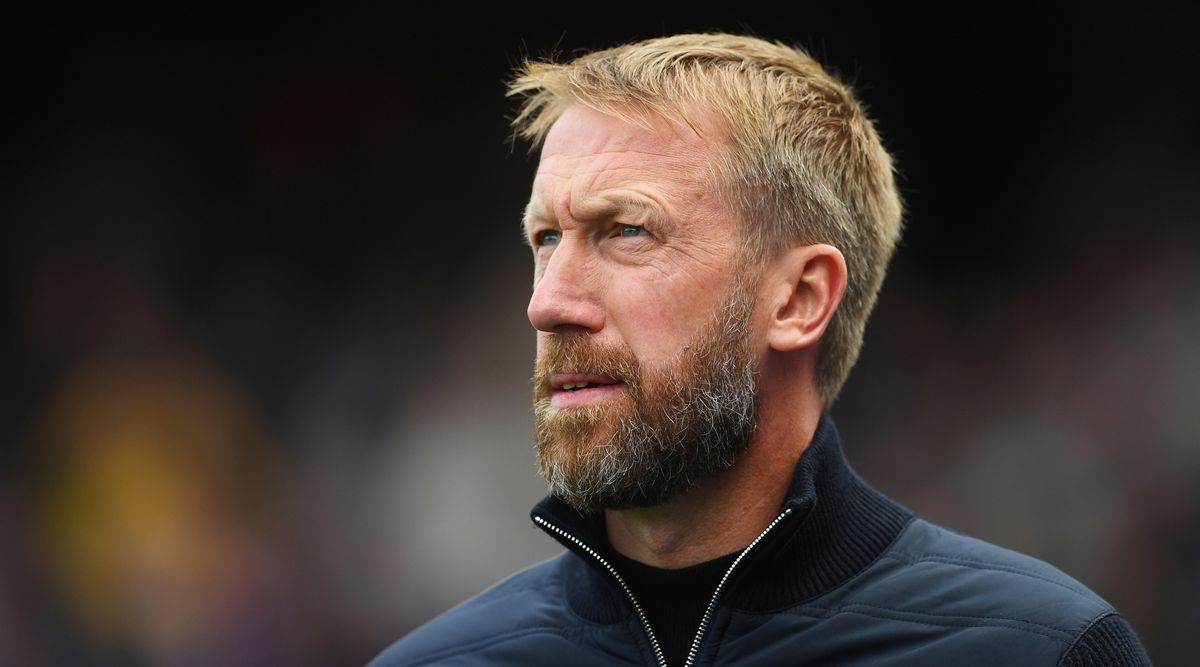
{"x": 578, "y": 389}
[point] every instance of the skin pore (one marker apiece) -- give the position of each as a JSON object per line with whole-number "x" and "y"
{"x": 633, "y": 251}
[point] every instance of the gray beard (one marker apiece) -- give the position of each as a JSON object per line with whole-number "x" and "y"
{"x": 671, "y": 430}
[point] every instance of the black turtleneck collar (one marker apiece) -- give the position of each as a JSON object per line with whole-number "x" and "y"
{"x": 837, "y": 526}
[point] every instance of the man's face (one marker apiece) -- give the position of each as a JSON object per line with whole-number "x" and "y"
{"x": 645, "y": 373}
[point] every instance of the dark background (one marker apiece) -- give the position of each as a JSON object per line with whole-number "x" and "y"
{"x": 265, "y": 359}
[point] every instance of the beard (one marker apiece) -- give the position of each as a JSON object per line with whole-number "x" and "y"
{"x": 666, "y": 431}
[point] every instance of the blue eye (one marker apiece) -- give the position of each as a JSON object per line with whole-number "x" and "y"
{"x": 547, "y": 238}
{"x": 629, "y": 231}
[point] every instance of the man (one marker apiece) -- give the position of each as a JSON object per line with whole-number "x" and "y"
{"x": 711, "y": 220}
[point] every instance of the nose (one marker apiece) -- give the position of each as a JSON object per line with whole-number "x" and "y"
{"x": 565, "y": 296}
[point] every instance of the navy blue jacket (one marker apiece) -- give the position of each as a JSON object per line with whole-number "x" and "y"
{"x": 844, "y": 576}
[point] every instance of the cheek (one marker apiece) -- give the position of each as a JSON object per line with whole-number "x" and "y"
{"x": 655, "y": 321}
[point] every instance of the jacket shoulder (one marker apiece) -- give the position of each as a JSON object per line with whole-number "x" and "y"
{"x": 525, "y": 603}
{"x": 1018, "y": 583}
{"x": 939, "y": 578}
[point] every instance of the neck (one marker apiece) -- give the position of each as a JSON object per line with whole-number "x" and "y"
{"x": 724, "y": 513}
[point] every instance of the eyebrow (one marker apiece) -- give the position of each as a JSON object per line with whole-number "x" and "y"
{"x": 599, "y": 208}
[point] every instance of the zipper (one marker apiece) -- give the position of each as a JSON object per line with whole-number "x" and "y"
{"x": 694, "y": 651}
{"x": 712, "y": 605}
{"x": 658, "y": 655}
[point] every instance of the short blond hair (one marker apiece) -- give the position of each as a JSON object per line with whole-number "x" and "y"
{"x": 802, "y": 162}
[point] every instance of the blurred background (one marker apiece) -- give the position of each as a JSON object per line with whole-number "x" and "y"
{"x": 265, "y": 359}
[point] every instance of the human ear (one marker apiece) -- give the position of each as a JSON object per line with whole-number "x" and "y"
{"x": 807, "y": 283}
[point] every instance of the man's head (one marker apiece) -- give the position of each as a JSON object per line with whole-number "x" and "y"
{"x": 673, "y": 171}
{"x": 796, "y": 156}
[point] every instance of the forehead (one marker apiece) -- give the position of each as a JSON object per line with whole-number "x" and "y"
{"x": 583, "y": 130}
{"x": 587, "y": 151}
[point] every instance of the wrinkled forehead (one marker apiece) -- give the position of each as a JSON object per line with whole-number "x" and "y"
{"x": 585, "y": 129}
{"x": 592, "y": 150}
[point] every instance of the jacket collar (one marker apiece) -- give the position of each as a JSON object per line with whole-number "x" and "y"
{"x": 837, "y": 526}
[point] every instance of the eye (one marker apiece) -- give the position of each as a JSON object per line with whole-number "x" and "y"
{"x": 547, "y": 237}
{"x": 630, "y": 231}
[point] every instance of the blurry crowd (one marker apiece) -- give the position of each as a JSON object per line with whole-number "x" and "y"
{"x": 266, "y": 362}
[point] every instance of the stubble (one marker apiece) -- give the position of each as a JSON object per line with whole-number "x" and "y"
{"x": 667, "y": 430}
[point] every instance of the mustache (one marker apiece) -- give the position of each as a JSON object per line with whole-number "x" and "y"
{"x": 578, "y": 353}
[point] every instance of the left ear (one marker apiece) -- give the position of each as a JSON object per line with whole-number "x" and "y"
{"x": 807, "y": 283}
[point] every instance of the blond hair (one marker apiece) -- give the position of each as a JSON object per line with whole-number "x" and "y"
{"x": 801, "y": 161}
